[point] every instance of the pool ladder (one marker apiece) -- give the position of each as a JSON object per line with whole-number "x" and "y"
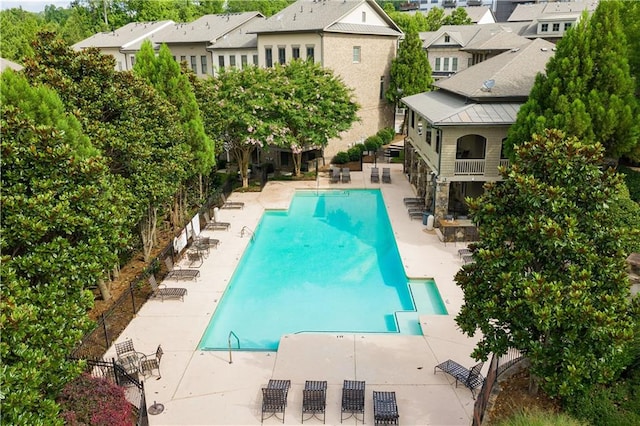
{"x": 248, "y": 231}
{"x": 232, "y": 334}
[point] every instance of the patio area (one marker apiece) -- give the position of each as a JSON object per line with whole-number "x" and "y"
{"x": 205, "y": 388}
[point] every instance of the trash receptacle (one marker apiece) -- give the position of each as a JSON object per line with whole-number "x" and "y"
{"x": 430, "y": 221}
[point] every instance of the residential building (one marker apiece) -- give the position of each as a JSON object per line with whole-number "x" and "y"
{"x": 455, "y": 133}
{"x": 550, "y": 20}
{"x": 354, "y": 38}
{"x": 118, "y": 43}
{"x": 447, "y": 4}
{"x": 453, "y": 48}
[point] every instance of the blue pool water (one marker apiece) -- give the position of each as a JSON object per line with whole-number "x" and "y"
{"x": 328, "y": 264}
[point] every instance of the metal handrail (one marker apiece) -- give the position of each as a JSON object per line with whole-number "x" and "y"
{"x": 231, "y": 333}
{"x": 248, "y": 230}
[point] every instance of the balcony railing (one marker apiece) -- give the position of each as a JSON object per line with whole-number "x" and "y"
{"x": 469, "y": 167}
{"x": 504, "y": 162}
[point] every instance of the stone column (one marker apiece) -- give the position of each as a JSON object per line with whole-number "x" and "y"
{"x": 442, "y": 200}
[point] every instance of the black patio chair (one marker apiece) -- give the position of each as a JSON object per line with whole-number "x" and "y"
{"x": 352, "y": 399}
{"x": 274, "y": 401}
{"x": 471, "y": 378}
{"x": 385, "y": 408}
{"x": 314, "y": 399}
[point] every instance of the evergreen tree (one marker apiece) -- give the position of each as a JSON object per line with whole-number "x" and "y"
{"x": 410, "y": 71}
{"x": 549, "y": 275}
{"x": 587, "y": 90}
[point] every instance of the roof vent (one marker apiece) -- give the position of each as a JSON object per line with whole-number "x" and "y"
{"x": 487, "y": 85}
{"x": 515, "y": 49}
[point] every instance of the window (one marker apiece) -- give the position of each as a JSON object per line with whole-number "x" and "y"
{"x": 183, "y": 59}
{"x": 567, "y": 25}
{"x": 194, "y": 65}
{"x": 311, "y": 53}
{"x": 203, "y": 64}
{"x": 295, "y": 52}
{"x": 454, "y": 64}
{"x": 255, "y": 60}
{"x": 413, "y": 120}
{"x": 356, "y": 54}
{"x": 544, "y": 28}
{"x": 133, "y": 60}
{"x": 428, "y": 136}
{"x": 282, "y": 55}
{"x": 232, "y": 60}
{"x": 174, "y": 57}
{"x": 556, "y": 27}
{"x": 438, "y": 138}
{"x": 268, "y": 57}
{"x": 437, "y": 67}
{"x": 119, "y": 65}
{"x": 221, "y": 61}
{"x": 364, "y": 16}
{"x": 447, "y": 39}
{"x": 382, "y": 87}
{"x": 243, "y": 60}
{"x": 445, "y": 67}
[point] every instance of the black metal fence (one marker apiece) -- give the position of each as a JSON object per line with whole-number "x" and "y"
{"x": 497, "y": 367}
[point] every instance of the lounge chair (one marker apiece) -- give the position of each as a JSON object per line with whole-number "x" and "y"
{"x": 412, "y": 200}
{"x": 151, "y": 362}
{"x": 196, "y": 259}
{"x": 352, "y": 399}
{"x": 385, "y": 408}
{"x": 464, "y": 252}
{"x": 230, "y": 204}
{"x": 274, "y": 398}
{"x": 163, "y": 292}
{"x": 471, "y": 378}
{"x": 346, "y": 175}
{"x": 375, "y": 175}
{"x": 468, "y": 259}
{"x": 179, "y": 274}
{"x": 335, "y": 175}
{"x": 386, "y": 175}
{"x": 211, "y": 224}
{"x": 314, "y": 399}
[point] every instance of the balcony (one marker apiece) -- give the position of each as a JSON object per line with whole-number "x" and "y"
{"x": 469, "y": 167}
{"x": 504, "y": 162}
{"x": 449, "y": 3}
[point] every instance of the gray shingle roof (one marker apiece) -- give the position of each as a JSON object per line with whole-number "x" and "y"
{"x": 470, "y": 34}
{"x": 324, "y": 15}
{"x": 513, "y": 73}
{"x": 445, "y": 109}
{"x": 207, "y": 28}
{"x": 531, "y": 12}
{"x": 5, "y": 63}
{"x": 475, "y": 13}
{"x": 240, "y": 38}
{"x": 124, "y": 36}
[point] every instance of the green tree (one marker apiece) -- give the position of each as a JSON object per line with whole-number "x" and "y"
{"x": 245, "y": 114}
{"x": 410, "y": 71}
{"x": 587, "y": 90}
{"x": 19, "y": 28}
{"x": 135, "y": 128}
{"x": 549, "y": 275}
{"x": 457, "y": 17}
{"x": 266, "y": 7}
{"x": 317, "y": 107}
{"x": 62, "y": 222}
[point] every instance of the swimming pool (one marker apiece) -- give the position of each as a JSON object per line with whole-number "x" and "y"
{"x": 328, "y": 264}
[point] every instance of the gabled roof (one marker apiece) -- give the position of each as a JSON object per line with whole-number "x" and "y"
{"x": 475, "y": 13}
{"x": 123, "y": 37}
{"x": 513, "y": 74}
{"x": 446, "y": 109}
{"x": 474, "y": 35}
{"x": 495, "y": 41}
{"x": 239, "y": 38}
{"x": 206, "y": 29}
{"x": 531, "y": 12}
{"x": 326, "y": 16}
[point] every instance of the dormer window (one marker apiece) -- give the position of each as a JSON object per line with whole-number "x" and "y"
{"x": 544, "y": 28}
{"x": 567, "y": 25}
{"x": 447, "y": 39}
{"x": 556, "y": 27}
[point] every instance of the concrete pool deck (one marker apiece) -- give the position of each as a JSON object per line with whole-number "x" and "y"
{"x": 204, "y": 388}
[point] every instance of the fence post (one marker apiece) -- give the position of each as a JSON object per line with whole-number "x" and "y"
{"x": 133, "y": 299}
{"x": 106, "y": 334}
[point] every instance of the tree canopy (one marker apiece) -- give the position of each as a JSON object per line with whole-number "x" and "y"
{"x": 431, "y": 21}
{"x": 549, "y": 275}
{"x": 587, "y": 89}
{"x": 62, "y": 225}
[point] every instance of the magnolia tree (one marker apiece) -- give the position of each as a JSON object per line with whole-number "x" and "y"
{"x": 315, "y": 106}
{"x": 549, "y": 274}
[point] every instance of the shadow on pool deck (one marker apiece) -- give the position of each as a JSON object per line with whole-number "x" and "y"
{"x": 204, "y": 388}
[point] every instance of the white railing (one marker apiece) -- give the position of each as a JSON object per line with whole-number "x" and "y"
{"x": 469, "y": 167}
{"x": 504, "y": 162}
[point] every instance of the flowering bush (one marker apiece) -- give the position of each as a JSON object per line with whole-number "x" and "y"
{"x": 94, "y": 401}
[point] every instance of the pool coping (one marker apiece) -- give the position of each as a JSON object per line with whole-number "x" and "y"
{"x": 203, "y": 387}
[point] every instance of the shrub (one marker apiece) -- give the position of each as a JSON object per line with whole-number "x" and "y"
{"x": 340, "y": 158}
{"x": 387, "y": 134}
{"x": 372, "y": 143}
{"x": 94, "y": 401}
{"x": 355, "y": 152}
{"x": 632, "y": 179}
{"x": 538, "y": 417}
